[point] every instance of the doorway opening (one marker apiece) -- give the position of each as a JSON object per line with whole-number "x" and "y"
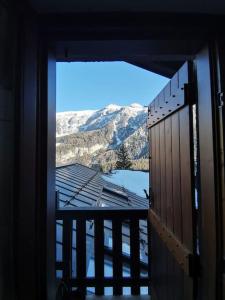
{"x": 102, "y": 163}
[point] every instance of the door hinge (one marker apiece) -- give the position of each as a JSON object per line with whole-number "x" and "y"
{"x": 220, "y": 99}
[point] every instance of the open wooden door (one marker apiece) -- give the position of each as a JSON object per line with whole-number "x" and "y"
{"x": 173, "y": 246}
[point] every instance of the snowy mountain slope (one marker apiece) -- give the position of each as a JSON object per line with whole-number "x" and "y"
{"x": 70, "y": 122}
{"x": 137, "y": 143}
{"x": 91, "y": 134}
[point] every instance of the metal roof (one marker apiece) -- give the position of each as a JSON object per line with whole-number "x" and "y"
{"x": 78, "y": 185}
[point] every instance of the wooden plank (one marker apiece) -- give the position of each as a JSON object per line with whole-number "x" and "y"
{"x": 186, "y": 171}
{"x": 167, "y": 92}
{"x": 184, "y": 74}
{"x": 135, "y": 255}
{"x": 99, "y": 256}
{"x": 169, "y": 200}
{"x": 187, "y": 189}
{"x": 81, "y": 254}
{"x": 177, "y": 213}
{"x": 169, "y": 177}
{"x": 162, "y": 171}
{"x": 175, "y": 84}
{"x": 163, "y": 260}
{"x": 157, "y": 198}
{"x": 161, "y": 99}
{"x": 117, "y": 256}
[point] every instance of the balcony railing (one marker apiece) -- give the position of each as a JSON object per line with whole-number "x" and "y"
{"x": 103, "y": 250}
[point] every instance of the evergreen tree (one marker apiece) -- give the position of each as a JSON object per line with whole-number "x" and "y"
{"x": 123, "y": 161}
{"x": 101, "y": 169}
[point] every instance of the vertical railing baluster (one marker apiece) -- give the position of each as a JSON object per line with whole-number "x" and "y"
{"x": 135, "y": 255}
{"x": 99, "y": 256}
{"x": 81, "y": 254}
{"x": 117, "y": 256}
{"x": 67, "y": 249}
{"x": 118, "y": 260}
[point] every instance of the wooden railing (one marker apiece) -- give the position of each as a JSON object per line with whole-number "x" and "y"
{"x": 127, "y": 227}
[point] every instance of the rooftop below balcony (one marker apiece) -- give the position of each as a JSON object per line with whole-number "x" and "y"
{"x": 102, "y": 246}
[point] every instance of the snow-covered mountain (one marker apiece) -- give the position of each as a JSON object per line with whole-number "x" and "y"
{"x": 93, "y": 134}
{"x": 70, "y": 121}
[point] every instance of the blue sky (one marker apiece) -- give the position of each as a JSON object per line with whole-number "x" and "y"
{"x": 93, "y": 85}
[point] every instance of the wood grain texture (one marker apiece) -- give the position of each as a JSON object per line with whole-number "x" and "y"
{"x": 157, "y": 198}
{"x": 177, "y": 213}
{"x": 163, "y": 203}
{"x": 172, "y": 183}
{"x": 169, "y": 172}
{"x": 186, "y": 182}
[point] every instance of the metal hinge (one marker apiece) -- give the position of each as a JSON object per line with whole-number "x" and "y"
{"x": 220, "y": 99}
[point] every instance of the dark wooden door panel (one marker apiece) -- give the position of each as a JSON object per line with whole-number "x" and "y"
{"x": 171, "y": 169}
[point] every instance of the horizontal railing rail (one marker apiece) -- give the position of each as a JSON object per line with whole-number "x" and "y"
{"x": 102, "y": 212}
{"x": 86, "y": 242}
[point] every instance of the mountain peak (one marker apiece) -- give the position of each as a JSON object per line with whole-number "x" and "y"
{"x": 112, "y": 107}
{"x": 136, "y": 105}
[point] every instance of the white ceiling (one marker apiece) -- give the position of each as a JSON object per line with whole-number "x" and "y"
{"x": 183, "y": 6}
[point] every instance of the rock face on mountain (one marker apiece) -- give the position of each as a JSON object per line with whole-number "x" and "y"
{"x": 92, "y": 137}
